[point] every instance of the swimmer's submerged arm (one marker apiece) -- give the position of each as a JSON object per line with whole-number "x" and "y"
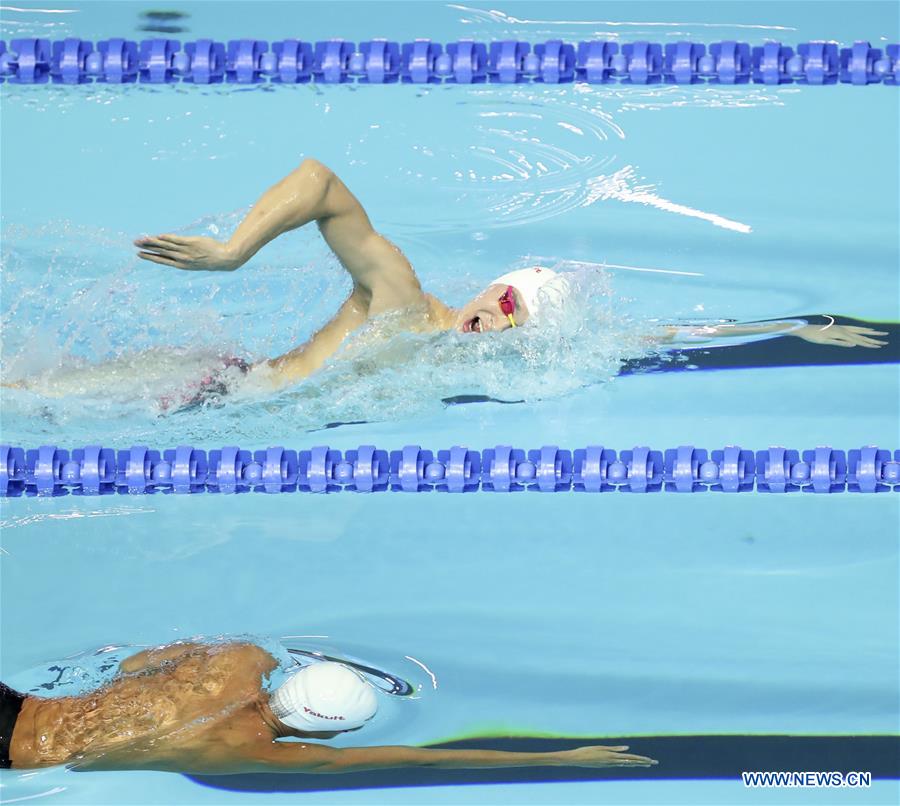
{"x": 294, "y": 757}
{"x": 829, "y": 334}
{"x": 727, "y": 329}
{"x": 302, "y": 361}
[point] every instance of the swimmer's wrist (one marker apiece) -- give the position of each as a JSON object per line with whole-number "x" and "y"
{"x": 792, "y": 327}
{"x": 237, "y": 254}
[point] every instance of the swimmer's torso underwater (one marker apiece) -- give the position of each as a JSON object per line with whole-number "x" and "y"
{"x": 163, "y": 711}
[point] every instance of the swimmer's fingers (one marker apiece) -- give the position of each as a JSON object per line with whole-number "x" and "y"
{"x": 600, "y": 756}
{"x": 175, "y": 243}
{"x": 843, "y": 336}
{"x": 857, "y": 337}
{"x": 162, "y": 260}
{"x": 159, "y": 245}
{"x": 177, "y": 240}
{"x": 632, "y": 760}
{"x": 866, "y": 331}
{"x": 858, "y": 341}
{"x": 621, "y": 757}
{"x": 192, "y": 252}
{"x": 864, "y": 336}
{"x": 192, "y": 246}
{"x": 865, "y": 341}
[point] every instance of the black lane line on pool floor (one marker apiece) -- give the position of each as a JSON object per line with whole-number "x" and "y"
{"x": 703, "y": 758}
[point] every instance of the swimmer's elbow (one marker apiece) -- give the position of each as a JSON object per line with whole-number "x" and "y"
{"x": 312, "y": 164}
{"x": 311, "y": 169}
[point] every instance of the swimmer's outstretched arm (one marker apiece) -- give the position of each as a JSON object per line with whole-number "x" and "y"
{"x": 296, "y": 757}
{"x": 833, "y": 334}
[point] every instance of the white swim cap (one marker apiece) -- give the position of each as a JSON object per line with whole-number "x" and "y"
{"x": 324, "y": 696}
{"x": 529, "y": 282}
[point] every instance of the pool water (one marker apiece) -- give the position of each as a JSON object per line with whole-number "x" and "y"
{"x": 555, "y": 616}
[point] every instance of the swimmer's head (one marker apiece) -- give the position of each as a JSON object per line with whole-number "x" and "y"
{"x": 499, "y": 308}
{"x": 324, "y": 699}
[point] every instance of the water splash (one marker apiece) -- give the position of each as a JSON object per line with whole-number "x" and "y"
{"x": 383, "y": 373}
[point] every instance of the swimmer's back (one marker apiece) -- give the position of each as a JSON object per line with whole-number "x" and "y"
{"x": 151, "y": 716}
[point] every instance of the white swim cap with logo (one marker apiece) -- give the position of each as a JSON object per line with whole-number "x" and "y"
{"x": 324, "y": 696}
{"x": 531, "y": 284}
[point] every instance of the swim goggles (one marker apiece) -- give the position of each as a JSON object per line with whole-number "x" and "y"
{"x": 508, "y": 304}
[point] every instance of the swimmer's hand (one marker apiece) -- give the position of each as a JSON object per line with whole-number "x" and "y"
{"x": 190, "y": 253}
{"x": 599, "y": 756}
{"x": 841, "y": 335}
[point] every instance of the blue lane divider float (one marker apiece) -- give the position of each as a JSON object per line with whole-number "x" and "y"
{"x": 379, "y": 61}
{"x": 94, "y": 470}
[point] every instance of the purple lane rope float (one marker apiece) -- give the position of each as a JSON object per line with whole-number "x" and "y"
{"x": 379, "y": 61}
{"x": 94, "y": 470}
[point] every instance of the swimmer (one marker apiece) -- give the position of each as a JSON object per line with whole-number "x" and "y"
{"x": 384, "y": 280}
{"x": 203, "y": 709}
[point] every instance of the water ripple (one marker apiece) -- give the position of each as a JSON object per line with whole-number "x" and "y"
{"x": 499, "y": 23}
{"x": 42, "y": 517}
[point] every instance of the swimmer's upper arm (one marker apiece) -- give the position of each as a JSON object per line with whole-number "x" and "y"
{"x": 377, "y": 266}
{"x": 313, "y": 192}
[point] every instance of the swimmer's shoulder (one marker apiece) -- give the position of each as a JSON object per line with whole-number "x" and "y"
{"x": 244, "y": 656}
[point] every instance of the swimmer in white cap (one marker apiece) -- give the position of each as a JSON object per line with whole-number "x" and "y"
{"x": 203, "y": 708}
{"x": 384, "y": 280}
{"x": 324, "y": 696}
